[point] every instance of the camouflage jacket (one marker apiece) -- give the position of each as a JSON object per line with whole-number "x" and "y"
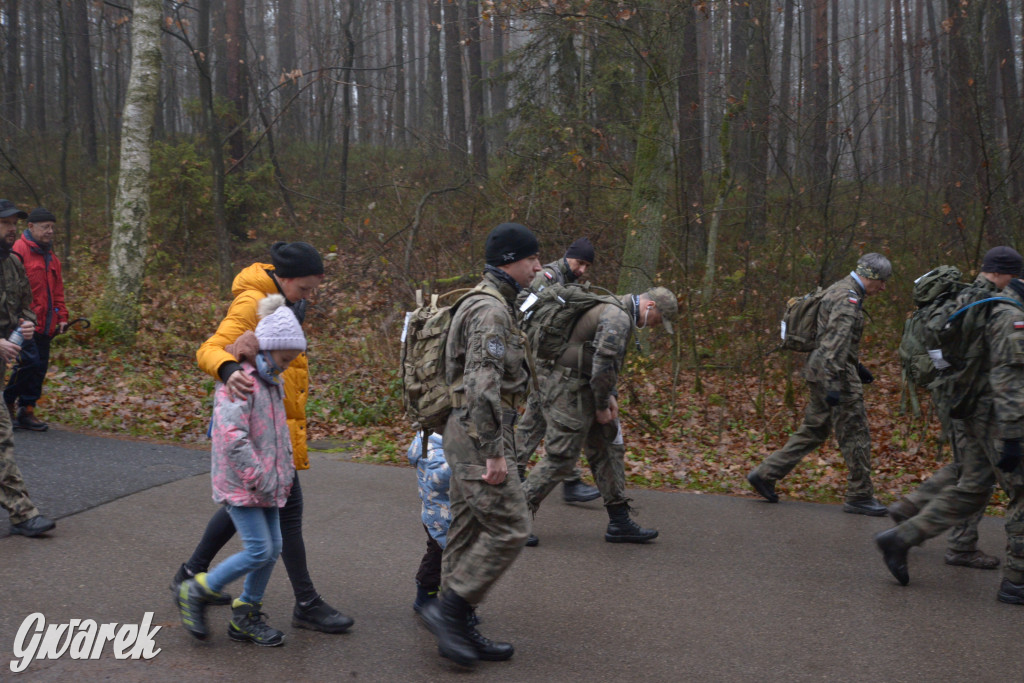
{"x": 485, "y": 364}
{"x": 556, "y": 272}
{"x": 840, "y": 325}
{"x": 1004, "y": 390}
{"x": 598, "y": 346}
{"x": 15, "y": 294}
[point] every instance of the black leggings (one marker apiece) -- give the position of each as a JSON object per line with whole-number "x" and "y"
{"x": 429, "y": 573}
{"x": 293, "y": 549}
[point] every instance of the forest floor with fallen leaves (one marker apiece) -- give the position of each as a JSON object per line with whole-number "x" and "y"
{"x": 691, "y": 421}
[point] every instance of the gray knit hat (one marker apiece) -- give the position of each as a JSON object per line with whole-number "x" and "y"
{"x": 278, "y": 327}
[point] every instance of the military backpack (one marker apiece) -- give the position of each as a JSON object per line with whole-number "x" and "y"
{"x": 935, "y": 295}
{"x": 425, "y": 392}
{"x": 550, "y": 314}
{"x": 799, "y": 326}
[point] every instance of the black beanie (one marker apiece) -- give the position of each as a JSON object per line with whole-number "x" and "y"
{"x": 1003, "y": 260}
{"x": 581, "y": 250}
{"x": 508, "y": 243}
{"x": 41, "y": 215}
{"x": 296, "y": 259}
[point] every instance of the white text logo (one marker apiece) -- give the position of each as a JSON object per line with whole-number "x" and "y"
{"x": 81, "y": 639}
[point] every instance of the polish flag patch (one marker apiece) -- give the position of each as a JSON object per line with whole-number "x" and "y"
{"x": 1018, "y": 324}
{"x": 549, "y": 275}
{"x": 853, "y": 300}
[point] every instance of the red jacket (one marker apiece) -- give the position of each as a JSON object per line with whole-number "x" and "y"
{"x": 44, "y": 275}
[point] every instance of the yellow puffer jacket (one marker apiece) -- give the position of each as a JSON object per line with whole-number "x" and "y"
{"x": 251, "y": 285}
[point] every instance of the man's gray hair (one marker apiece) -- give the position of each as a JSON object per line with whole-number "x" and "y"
{"x": 874, "y": 266}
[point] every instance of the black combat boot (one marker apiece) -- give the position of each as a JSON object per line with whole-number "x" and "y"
{"x": 575, "y": 491}
{"x": 317, "y": 615}
{"x": 894, "y": 551}
{"x": 448, "y": 620}
{"x": 622, "y": 529}
{"x": 486, "y": 649}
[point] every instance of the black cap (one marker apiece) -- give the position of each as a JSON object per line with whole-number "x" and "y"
{"x": 41, "y": 215}
{"x": 581, "y": 250}
{"x": 296, "y": 259}
{"x": 1003, "y": 260}
{"x": 7, "y": 208}
{"x": 508, "y": 243}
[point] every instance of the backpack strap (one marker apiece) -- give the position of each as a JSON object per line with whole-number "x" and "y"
{"x": 964, "y": 309}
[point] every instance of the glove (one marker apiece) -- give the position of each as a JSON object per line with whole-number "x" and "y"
{"x": 1011, "y": 456}
{"x": 865, "y": 375}
{"x": 832, "y": 398}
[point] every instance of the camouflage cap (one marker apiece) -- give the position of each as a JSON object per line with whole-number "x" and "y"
{"x": 667, "y": 305}
{"x": 874, "y": 267}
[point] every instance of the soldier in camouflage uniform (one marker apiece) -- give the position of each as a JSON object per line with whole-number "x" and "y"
{"x": 988, "y": 439}
{"x": 581, "y": 408}
{"x": 572, "y": 267}
{"x": 486, "y": 368}
{"x": 962, "y": 544}
{"x": 835, "y": 379}
{"x": 15, "y": 306}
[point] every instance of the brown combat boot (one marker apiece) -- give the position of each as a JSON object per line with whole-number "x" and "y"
{"x": 26, "y": 419}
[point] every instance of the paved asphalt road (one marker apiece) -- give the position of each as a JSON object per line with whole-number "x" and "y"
{"x": 733, "y": 590}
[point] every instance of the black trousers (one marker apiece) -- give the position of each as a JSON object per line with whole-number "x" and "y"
{"x": 429, "y": 573}
{"x": 220, "y": 529}
{"x": 26, "y": 382}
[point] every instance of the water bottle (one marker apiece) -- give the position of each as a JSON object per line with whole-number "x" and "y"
{"x": 16, "y": 337}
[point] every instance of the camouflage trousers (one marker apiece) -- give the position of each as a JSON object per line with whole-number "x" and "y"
{"x": 13, "y": 494}
{"x": 850, "y": 421}
{"x": 979, "y": 452}
{"x": 532, "y": 425}
{"x": 571, "y": 426}
{"x": 963, "y": 537}
{"x": 489, "y": 524}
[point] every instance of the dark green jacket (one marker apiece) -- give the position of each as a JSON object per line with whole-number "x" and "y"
{"x": 15, "y": 294}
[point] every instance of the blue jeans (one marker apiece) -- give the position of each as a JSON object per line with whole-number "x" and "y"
{"x": 260, "y": 530}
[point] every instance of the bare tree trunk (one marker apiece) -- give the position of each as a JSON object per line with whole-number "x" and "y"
{"x": 820, "y": 169}
{"x": 759, "y": 102}
{"x": 237, "y": 84}
{"x": 899, "y": 93}
{"x": 347, "y": 62}
{"x": 650, "y": 181}
{"x": 785, "y": 78}
{"x": 215, "y": 146}
{"x": 736, "y": 84}
{"x": 691, "y": 137}
{"x": 476, "y": 90}
{"x": 287, "y": 63}
{"x": 37, "y": 70}
{"x": 399, "y": 106}
{"x": 118, "y": 316}
{"x": 13, "y": 50}
{"x": 1007, "y": 65}
{"x": 435, "y": 85}
{"x": 499, "y": 90}
{"x": 453, "y": 71}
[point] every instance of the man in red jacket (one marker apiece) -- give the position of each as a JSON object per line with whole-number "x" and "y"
{"x": 35, "y": 247}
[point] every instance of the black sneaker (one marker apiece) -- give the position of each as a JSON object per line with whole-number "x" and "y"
{"x": 764, "y": 488}
{"x": 26, "y": 419}
{"x": 248, "y": 624}
{"x": 192, "y": 602}
{"x": 532, "y": 541}
{"x": 319, "y": 616}
{"x": 184, "y": 574}
{"x": 868, "y": 506}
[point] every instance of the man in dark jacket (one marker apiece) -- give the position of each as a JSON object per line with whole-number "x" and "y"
{"x": 35, "y": 247}
{"x": 15, "y": 316}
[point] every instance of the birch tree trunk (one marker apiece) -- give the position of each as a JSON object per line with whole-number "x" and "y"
{"x": 118, "y": 317}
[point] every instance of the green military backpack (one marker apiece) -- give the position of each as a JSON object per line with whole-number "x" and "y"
{"x": 935, "y": 295}
{"x": 954, "y": 342}
{"x": 550, "y": 314}
{"x": 425, "y": 391}
{"x": 799, "y": 326}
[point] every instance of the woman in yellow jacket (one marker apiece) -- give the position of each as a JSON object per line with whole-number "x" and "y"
{"x": 296, "y": 269}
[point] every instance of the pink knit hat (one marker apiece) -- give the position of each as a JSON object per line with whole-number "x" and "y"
{"x": 278, "y": 327}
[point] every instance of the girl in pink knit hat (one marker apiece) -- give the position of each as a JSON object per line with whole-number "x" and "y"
{"x": 252, "y": 472}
